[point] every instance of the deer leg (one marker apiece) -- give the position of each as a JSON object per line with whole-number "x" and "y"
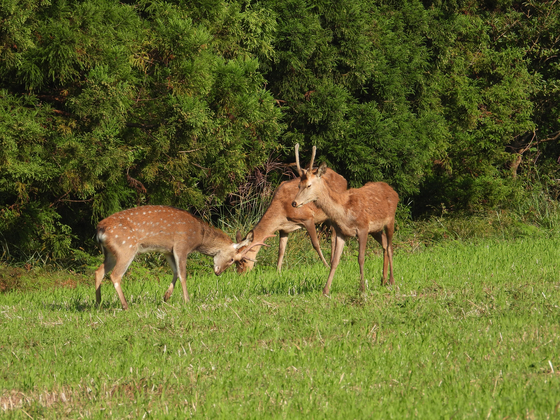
{"x": 390, "y": 229}
{"x": 116, "y": 275}
{"x": 172, "y": 263}
{"x": 282, "y": 249}
{"x": 362, "y": 241}
{"x": 104, "y": 268}
{"x": 178, "y": 263}
{"x": 333, "y": 241}
{"x": 385, "y": 238}
{"x": 340, "y": 241}
{"x": 181, "y": 262}
{"x": 382, "y": 239}
{"x": 312, "y": 231}
{"x": 386, "y": 259}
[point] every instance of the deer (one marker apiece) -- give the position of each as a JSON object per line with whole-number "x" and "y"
{"x": 168, "y": 230}
{"x": 281, "y": 216}
{"x": 369, "y": 210}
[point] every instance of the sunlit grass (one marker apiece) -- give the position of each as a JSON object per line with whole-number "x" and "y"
{"x": 468, "y": 331}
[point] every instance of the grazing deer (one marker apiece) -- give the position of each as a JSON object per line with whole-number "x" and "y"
{"x": 281, "y": 216}
{"x": 354, "y": 212}
{"x": 174, "y": 232}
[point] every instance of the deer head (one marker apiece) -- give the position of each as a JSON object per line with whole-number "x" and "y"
{"x": 242, "y": 247}
{"x": 310, "y": 185}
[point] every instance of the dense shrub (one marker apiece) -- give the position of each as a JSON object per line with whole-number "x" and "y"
{"x": 108, "y": 105}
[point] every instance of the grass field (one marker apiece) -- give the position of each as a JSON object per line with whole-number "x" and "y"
{"x": 468, "y": 331}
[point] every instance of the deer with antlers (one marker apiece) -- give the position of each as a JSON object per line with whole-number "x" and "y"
{"x": 174, "y": 232}
{"x": 369, "y": 210}
{"x": 281, "y": 216}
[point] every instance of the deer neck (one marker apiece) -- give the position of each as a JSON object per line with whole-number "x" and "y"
{"x": 213, "y": 241}
{"x": 266, "y": 226}
{"x": 334, "y": 205}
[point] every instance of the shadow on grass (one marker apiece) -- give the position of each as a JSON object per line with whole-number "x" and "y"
{"x": 286, "y": 286}
{"x": 73, "y": 306}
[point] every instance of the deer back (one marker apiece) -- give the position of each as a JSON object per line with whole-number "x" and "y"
{"x": 374, "y": 204}
{"x": 370, "y": 207}
{"x": 155, "y": 228}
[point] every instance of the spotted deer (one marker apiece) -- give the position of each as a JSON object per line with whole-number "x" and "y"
{"x": 174, "y": 232}
{"x": 369, "y": 210}
{"x": 281, "y": 216}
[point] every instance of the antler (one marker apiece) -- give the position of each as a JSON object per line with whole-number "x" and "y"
{"x": 297, "y": 159}
{"x": 314, "y": 150}
{"x": 261, "y": 243}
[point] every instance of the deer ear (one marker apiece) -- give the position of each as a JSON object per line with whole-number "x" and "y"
{"x": 322, "y": 169}
{"x": 243, "y": 242}
{"x": 238, "y": 236}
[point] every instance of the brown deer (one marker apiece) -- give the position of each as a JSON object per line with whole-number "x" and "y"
{"x": 281, "y": 216}
{"x": 354, "y": 212}
{"x": 174, "y": 232}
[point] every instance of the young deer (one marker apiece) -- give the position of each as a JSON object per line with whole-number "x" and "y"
{"x": 281, "y": 216}
{"x": 354, "y": 212}
{"x": 171, "y": 231}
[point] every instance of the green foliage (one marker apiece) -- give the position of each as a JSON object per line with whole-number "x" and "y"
{"x": 484, "y": 93}
{"x": 353, "y": 76}
{"x": 108, "y": 105}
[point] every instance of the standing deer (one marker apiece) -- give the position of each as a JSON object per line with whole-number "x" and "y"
{"x": 281, "y": 216}
{"x": 174, "y": 232}
{"x": 354, "y": 212}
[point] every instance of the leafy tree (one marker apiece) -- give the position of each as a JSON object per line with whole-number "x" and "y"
{"x": 490, "y": 92}
{"x": 109, "y": 104}
{"x": 352, "y": 80}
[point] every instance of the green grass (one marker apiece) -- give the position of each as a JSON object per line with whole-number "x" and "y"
{"x": 470, "y": 330}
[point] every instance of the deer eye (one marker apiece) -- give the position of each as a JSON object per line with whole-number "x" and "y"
{"x": 309, "y": 186}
